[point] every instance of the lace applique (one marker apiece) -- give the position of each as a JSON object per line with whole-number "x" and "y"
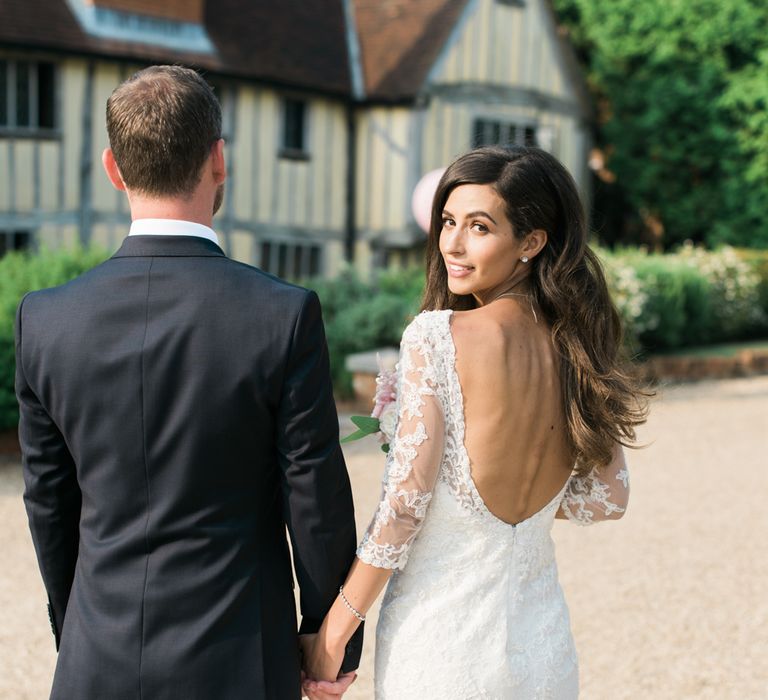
{"x": 588, "y": 498}
{"x": 414, "y": 455}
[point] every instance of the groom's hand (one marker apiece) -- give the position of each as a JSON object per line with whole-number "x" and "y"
{"x": 328, "y": 690}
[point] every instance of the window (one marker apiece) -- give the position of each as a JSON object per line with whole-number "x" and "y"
{"x": 294, "y": 129}
{"x": 489, "y": 132}
{"x": 291, "y": 261}
{"x": 14, "y": 240}
{"x": 27, "y": 95}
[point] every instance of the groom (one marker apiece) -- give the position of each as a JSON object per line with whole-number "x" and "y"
{"x": 176, "y": 415}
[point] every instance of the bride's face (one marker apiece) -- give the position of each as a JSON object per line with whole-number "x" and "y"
{"x": 479, "y": 248}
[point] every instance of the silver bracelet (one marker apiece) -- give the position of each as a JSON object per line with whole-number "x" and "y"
{"x": 349, "y": 605}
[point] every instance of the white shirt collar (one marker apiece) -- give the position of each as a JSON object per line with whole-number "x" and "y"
{"x": 171, "y": 227}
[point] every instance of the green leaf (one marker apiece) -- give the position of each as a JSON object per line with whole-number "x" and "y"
{"x": 357, "y": 435}
{"x": 385, "y": 447}
{"x": 368, "y": 424}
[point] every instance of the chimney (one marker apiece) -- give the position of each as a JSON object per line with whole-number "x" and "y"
{"x": 176, "y": 10}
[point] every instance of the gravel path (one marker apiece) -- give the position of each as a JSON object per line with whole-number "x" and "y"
{"x": 668, "y": 603}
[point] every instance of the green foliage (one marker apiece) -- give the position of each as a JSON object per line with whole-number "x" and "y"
{"x": 683, "y": 97}
{"x": 757, "y": 262}
{"x": 682, "y": 299}
{"x": 689, "y": 298}
{"x": 21, "y": 273}
{"x": 9, "y": 413}
{"x": 677, "y": 310}
{"x": 667, "y": 301}
{"x": 362, "y": 316}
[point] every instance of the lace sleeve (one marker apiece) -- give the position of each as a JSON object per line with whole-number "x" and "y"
{"x": 597, "y": 496}
{"x": 413, "y": 460}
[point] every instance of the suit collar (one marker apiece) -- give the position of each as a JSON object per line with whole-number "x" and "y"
{"x": 167, "y": 246}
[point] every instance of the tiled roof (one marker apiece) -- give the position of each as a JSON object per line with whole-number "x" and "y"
{"x": 400, "y": 41}
{"x": 302, "y": 44}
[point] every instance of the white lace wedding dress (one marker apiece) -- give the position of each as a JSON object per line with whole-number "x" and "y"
{"x": 478, "y": 611}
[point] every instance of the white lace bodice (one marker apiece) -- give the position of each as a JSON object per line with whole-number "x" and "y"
{"x": 478, "y": 612}
{"x": 429, "y": 446}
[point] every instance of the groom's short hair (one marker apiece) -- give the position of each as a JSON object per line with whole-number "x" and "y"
{"x": 162, "y": 123}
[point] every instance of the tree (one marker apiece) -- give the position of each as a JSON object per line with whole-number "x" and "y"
{"x": 682, "y": 91}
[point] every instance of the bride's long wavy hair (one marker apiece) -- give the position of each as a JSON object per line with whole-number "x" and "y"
{"x": 603, "y": 403}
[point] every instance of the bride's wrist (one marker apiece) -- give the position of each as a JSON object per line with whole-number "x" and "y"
{"x": 334, "y": 637}
{"x": 340, "y": 626}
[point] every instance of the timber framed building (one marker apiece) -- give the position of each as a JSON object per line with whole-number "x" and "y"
{"x": 333, "y": 110}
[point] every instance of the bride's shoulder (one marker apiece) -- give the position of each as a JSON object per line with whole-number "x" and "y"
{"x": 467, "y": 327}
{"x": 427, "y": 324}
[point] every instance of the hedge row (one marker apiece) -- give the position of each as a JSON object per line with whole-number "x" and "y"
{"x": 361, "y": 316}
{"x": 21, "y": 273}
{"x": 691, "y": 297}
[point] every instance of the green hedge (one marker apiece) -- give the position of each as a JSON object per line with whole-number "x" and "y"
{"x": 691, "y": 297}
{"x": 19, "y": 274}
{"x": 688, "y": 298}
{"x": 361, "y": 316}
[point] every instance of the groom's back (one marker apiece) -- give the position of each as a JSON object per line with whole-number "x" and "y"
{"x": 164, "y": 371}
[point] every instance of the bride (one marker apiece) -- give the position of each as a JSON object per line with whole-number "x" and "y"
{"x": 512, "y": 409}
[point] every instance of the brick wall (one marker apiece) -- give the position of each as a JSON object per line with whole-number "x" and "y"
{"x": 181, "y": 10}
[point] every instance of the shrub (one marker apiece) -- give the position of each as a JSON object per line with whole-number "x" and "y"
{"x": 757, "y": 260}
{"x": 690, "y": 297}
{"x": 361, "y": 316}
{"x": 687, "y": 298}
{"x": 19, "y": 274}
{"x": 667, "y": 301}
{"x": 677, "y": 311}
{"x": 629, "y": 296}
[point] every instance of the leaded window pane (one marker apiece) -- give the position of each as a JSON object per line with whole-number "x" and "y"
{"x": 22, "y": 95}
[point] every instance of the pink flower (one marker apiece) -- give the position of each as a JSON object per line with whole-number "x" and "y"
{"x": 386, "y": 391}
{"x": 383, "y": 420}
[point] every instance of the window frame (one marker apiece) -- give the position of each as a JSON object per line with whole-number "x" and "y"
{"x": 281, "y": 256}
{"x": 8, "y": 235}
{"x": 11, "y": 129}
{"x": 507, "y": 126}
{"x": 287, "y": 151}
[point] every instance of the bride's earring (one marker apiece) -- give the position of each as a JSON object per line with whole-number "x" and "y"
{"x": 524, "y": 259}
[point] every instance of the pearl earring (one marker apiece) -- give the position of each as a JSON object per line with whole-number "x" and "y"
{"x": 524, "y": 259}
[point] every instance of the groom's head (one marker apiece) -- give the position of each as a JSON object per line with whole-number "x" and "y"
{"x": 164, "y": 124}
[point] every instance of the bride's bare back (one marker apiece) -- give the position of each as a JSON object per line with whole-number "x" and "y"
{"x": 516, "y": 433}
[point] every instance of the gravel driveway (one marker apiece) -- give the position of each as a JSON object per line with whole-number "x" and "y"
{"x": 668, "y": 603}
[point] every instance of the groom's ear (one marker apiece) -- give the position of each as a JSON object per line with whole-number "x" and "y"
{"x": 113, "y": 172}
{"x": 218, "y": 166}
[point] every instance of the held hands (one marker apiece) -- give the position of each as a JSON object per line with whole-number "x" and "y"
{"x": 321, "y": 662}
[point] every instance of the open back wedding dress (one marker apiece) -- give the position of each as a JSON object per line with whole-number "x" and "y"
{"x": 478, "y": 611}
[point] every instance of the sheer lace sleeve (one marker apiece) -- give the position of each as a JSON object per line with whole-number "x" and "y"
{"x": 598, "y": 496}
{"x": 414, "y": 457}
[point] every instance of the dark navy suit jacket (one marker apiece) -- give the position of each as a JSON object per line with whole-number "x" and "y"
{"x": 176, "y": 415}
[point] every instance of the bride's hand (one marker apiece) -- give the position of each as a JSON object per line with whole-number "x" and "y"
{"x": 324, "y": 690}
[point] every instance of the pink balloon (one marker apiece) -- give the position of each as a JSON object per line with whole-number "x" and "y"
{"x": 423, "y": 195}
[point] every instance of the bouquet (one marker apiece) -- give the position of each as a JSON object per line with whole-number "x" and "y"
{"x": 383, "y": 418}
